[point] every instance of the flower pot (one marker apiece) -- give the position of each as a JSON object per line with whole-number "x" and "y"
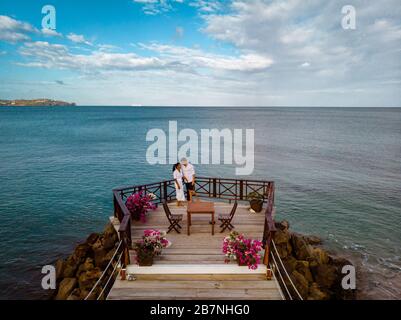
{"x": 256, "y": 205}
{"x": 145, "y": 261}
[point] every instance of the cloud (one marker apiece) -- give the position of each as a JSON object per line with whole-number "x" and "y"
{"x": 45, "y": 55}
{"x": 292, "y": 32}
{"x": 207, "y": 6}
{"x": 50, "y": 33}
{"x": 13, "y": 31}
{"x": 78, "y": 38}
{"x": 196, "y": 58}
{"x": 154, "y": 7}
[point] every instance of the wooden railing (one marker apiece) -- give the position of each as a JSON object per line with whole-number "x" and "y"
{"x": 220, "y": 188}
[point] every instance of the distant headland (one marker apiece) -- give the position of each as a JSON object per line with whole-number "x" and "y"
{"x": 34, "y": 103}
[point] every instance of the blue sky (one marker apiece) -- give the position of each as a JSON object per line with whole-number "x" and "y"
{"x": 203, "y": 52}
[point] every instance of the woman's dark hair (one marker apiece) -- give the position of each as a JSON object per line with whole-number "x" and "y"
{"x": 175, "y": 166}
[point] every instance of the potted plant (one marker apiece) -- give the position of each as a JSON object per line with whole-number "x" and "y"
{"x": 256, "y": 201}
{"x": 245, "y": 251}
{"x": 151, "y": 244}
{"x": 139, "y": 204}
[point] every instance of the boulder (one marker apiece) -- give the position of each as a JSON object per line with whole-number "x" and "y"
{"x": 109, "y": 242}
{"x": 320, "y": 256}
{"x": 283, "y": 225}
{"x": 313, "y": 240}
{"x": 303, "y": 268}
{"x": 82, "y": 251}
{"x": 326, "y": 276}
{"x": 75, "y": 294}
{"x": 302, "y": 250}
{"x": 99, "y": 252}
{"x": 316, "y": 294}
{"x": 88, "y": 279}
{"x": 86, "y": 266}
{"x": 65, "y": 288}
{"x": 290, "y": 264}
{"x": 300, "y": 283}
{"x": 92, "y": 238}
{"x": 281, "y": 236}
{"x": 70, "y": 267}
{"x": 59, "y": 265}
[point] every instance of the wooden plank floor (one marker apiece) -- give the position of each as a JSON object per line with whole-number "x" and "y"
{"x": 200, "y": 248}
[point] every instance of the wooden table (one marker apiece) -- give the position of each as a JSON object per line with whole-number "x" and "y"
{"x": 199, "y": 208}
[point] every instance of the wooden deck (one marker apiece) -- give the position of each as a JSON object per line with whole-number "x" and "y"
{"x": 193, "y": 266}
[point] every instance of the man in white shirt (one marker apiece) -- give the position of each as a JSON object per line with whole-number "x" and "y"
{"x": 188, "y": 172}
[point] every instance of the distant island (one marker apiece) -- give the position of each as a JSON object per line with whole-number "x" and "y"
{"x": 34, "y": 103}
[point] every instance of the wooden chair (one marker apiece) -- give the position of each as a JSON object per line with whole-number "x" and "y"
{"x": 225, "y": 219}
{"x": 174, "y": 219}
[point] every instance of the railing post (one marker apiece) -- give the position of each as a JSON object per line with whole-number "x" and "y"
{"x": 214, "y": 188}
{"x": 165, "y": 190}
{"x": 241, "y": 190}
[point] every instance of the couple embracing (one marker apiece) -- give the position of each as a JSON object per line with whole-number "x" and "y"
{"x": 184, "y": 173}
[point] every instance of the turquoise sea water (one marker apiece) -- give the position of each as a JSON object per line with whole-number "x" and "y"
{"x": 338, "y": 175}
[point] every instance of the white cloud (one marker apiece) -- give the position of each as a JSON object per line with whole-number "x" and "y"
{"x": 13, "y": 31}
{"x": 78, "y": 38}
{"x": 51, "y": 33}
{"x": 45, "y": 55}
{"x": 153, "y": 7}
{"x": 196, "y": 58}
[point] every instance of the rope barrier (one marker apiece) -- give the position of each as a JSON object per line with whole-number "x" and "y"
{"x": 111, "y": 276}
{"x": 285, "y": 270}
{"x": 104, "y": 272}
{"x": 281, "y": 277}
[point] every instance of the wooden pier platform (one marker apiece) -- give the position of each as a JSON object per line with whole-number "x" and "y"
{"x": 193, "y": 266}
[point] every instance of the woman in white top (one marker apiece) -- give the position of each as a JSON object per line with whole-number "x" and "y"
{"x": 179, "y": 190}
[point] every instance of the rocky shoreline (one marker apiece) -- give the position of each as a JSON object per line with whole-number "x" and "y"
{"x": 77, "y": 274}
{"x": 316, "y": 272}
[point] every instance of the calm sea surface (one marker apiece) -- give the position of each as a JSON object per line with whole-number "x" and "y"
{"x": 338, "y": 175}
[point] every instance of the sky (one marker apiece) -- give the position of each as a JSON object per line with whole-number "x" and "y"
{"x": 203, "y": 52}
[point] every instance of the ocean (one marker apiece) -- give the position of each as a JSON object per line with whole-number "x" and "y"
{"x": 337, "y": 173}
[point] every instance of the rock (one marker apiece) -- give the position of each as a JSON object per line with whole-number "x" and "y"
{"x": 109, "y": 230}
{"x": 109, "y": 242}
{"x": 281, "y": 236}
{"x": 86, "y": 266}
{"x": 65, "y": 288}
{"x": 99, "y": 252}
{"x": 88, "y": 279}
{"x": 313, "y": 240}
{"x": 70, "y": 267}
{"x": 110, "y": 237}
{"x": 326, "y": 276}
{"x": 302, "y": 250}
{"x": 283, "y": 225}
{"x": 316, "y": 294}
{"x": 59, "y": 265}
{"x": 320, "y": 255}
{"x": 82, "y": 251}
{"x": 303, "y": 268}
{"x": 290, "y": 264}
{"x": 301, "y": 283}
{"x": 92, "y": 238}
{"x": 75, "y": 294}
